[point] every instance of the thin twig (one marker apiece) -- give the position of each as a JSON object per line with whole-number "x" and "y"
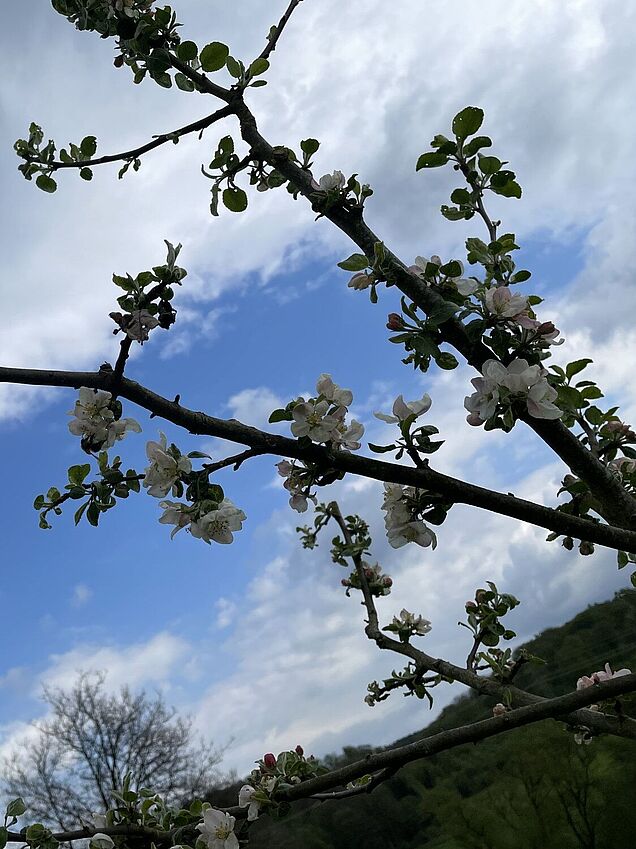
{"x": 272, "y": 40}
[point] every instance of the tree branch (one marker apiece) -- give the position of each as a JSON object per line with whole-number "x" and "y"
{"x": 136, "y": 152}
{"x": 277, "y": 31}
{"x": 618, "y": 506}
{"x": 457, "y": 491}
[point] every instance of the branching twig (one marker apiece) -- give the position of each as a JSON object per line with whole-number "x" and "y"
{"x": 457, "y": 491}
{"x": 277, "y": 31}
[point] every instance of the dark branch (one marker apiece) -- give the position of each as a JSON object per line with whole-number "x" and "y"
{"x": 164, "y": 138}
{"x": 457, "y": 491}
{"x": 277, "y": 31}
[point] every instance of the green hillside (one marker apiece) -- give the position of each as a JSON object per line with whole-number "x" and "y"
{"x": 533, "y": 788}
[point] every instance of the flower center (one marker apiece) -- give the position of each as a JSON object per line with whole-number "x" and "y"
{"x": 222, "y": 832}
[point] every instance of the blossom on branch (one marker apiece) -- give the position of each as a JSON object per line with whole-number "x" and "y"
{"x": 605, "y": 674}
{"x": 219, "y": 525}
{"x": 403, "y": 409}
{"x": 401, "y": 520}
{"x": 166, "y": 467}
{"x": 332, "y": 392}
{"x": 331, "y": 182}
{"x": 246, "y": 800}
{"x": 95, "y": 420}
{"x": 217, "y": 830}
{"x": 519, "y": 378}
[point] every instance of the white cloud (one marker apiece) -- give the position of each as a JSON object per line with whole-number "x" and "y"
{"x": 81, "y": 594}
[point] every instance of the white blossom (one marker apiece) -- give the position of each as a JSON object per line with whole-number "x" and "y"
{"x": 332, "y": 392}
{"x": 499, "y": 709}
{"x": 101, "y": 841}
{"x": 403, "y": 409}
{"x": 349, "y": 436}
{"x": 139, "y": 325}
{"x": 503, "y": 304}
{"x": 417, "y": 624}
{"x": 421, "y": 262}
{"x": 165, "y": 469}
{"x": 246, "y": 800}
{"x": 95, "y": 421}
{"x": 177, "y": 514}
{"x": 402, "y": 526}
{"x": 99, "y": 820}
{"x": 605, "y": 674}
{"x": 519, "y": 378}
{"x": 329, "y": 182}
{"x": 219, "y": 525}
{"x": 311, "y": 419}
{"x": 217, "y": 830}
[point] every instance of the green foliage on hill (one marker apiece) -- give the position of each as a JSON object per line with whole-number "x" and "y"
{"x": 533, "y": 788}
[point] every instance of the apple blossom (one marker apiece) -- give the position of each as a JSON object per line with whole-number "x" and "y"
{"x": 176, "y": 513}
{"x": 421, "y": 262}
{"x": 403, "y": 409}
{"x": 218, "y": 525}
{"x": 246, "y": 800}
{"x": 499, "y": 709}
{"x": 217, "y": 830}
{"x": 311, "y": 418}
{"x": 361, "y": 280}
{"x": 139, "y": 325}
{"x": 540, "y": 401}
{"x": 332, "y": 392}
{"x": 165, "y": 468}
{"x": 502, "y": 303}
{"x": 409, "y": 621}
{"x": 330, "y": 182}
{"x": 605, "y": 674}
{"x": 95, "y": 420}
{"x": 519, "y": 378}
{"x": 401, "y": 522}
{"x": 101, "y": 841}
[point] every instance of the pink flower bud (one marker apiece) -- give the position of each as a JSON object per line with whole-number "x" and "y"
{"x": 387, "y": 582}
{"x": 470, "y": 605}
{"x": 499, "y": 709}
{"x": 545, "y": 328}
{"x": 269, "y": 760}
{"x": 395, "y": 321}
{"x": 299, "y": 751}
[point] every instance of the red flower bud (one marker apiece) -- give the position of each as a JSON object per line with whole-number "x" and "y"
{"x": 299, "y": 751}
{"x": 387, "y": 582}
{"x": 269, "y": 760}
{"x": 395, "y": 321}
{"x": 470, "y": 605}
{"x": 546, "y": 328}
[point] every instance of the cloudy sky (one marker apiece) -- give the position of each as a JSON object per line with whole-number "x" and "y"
{"x": 256, "y": 639}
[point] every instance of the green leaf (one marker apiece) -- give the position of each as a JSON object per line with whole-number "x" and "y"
{"x": 183, "y": 82}
{"x": 86, "y": 174}
{"x": 622, "y": 559}
{"x": 489, "y": 164}
{"x": 235, "y": 199}
{"x": 16, "y": 808}
{"x": 575, "y": 367}
{"x": 356, "y": 262}
{"x": 187, "y": 51}
{"x": 88, "y": 146}
{"x": 309, "y": 146}
{"x": 431, "y": 160}
{"x": 46, "y": 183}
{"x": 280, "y": 416}
{"x": 258, "y": 67}
{"x": 234, "y": 67}
{"x": 92, "y": 514}
{"x": 447, "y": 361}
{"x": 442, "y": 312}
{"x": 476, "y": 144}
{"x": 511, "y": 189}
{"x": 214, "y": 56}
{"x": 460, "y": 196}
{"x": 381, "y": 449}
{"x": 467, "y": 122}
{"x": 78, "y": 474}
{"x": 38, "y": 504}
{"x": 4, "y": 836}
{"x": 520, "y": 277}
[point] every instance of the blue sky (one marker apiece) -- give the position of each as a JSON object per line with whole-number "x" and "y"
{"x": 254, "y": 638}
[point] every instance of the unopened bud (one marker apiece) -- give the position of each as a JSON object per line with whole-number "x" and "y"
{"x": 545, "y": 328}
{"x": 586, "y": 548}
{"x": 499, "y": 709}
{"x": 395, "y": 321}
{"x": 269, "y": 760}
{"x": 387, "y": 582}
{"x": 568, "y": 543}
{"x": 299, "y": 751}
{"x": 470, "y": 605}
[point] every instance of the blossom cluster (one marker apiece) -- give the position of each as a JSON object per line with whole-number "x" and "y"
{"x": 500, "y": 303}
{"x": 408, "y": 624}
{"x": 211, "y": 522}
{"x": 402, "y": 522}
{"x": 97, "y": 420}
{"x": 501, "y": 384}
{"x": 378, "y": 583}
{"x": 322, "y": 419}
{"x": 605, "y": 674}
{"x": 426, "y": 269}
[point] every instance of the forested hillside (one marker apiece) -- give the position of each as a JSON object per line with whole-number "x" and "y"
{"x": 533, "y": 788}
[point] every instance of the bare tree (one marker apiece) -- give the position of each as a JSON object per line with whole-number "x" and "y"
{"x": 92, "y": 739}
